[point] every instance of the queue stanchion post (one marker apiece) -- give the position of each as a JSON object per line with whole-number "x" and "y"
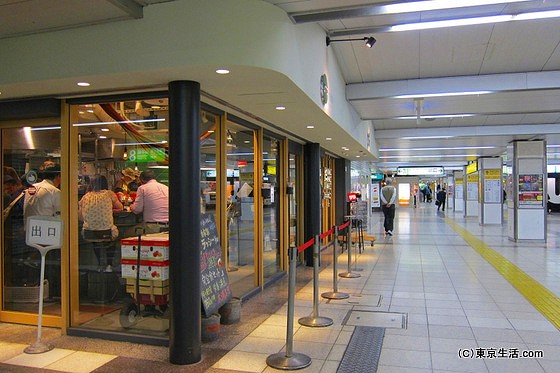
{"x": 315, "y": 320}
{"x": 349, "y": 273}
{"x": 357, "y": 245}
{"x": 290, "y": 360}
{"x": 335, "y": 294}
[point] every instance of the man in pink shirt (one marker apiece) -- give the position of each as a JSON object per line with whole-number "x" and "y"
{"x": 152, "y": 200}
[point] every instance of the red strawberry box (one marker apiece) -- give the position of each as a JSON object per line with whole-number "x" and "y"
{"x": 153, "y": 247}
{"x": 149, "y": 269}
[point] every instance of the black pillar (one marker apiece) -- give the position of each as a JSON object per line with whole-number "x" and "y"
{"x": 184, "y": 222}
{"x": 312, "y": 195}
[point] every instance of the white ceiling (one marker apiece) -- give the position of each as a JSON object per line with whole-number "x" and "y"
{"x": 495, "y": 57}
{"x": 518, "y": 61}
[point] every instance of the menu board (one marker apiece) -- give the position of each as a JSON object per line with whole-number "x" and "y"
{"x": 215, "y": 290}
{"x": 530, "y": 189}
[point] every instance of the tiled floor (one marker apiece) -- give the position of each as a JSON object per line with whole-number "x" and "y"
{"x": 450, "y": 303}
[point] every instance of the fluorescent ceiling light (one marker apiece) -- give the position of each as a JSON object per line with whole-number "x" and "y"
{"x": 442, "y": 94}
{"x": 474, "y": 21}
{"x": 442, "y": 148}
{"x": 142, "y": 143}
{"x": 436, "y": 116}
{"x": 429, "y": 156}
{"x": 421, "y": 6}
{"x": 117, "y": 121}
{"x": 426, "y": 137}
{"x": 44, "y": 128}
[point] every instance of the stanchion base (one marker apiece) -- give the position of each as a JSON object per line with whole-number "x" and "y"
{"x": 349, "y": 275}
{"x": 358, "y": 269}
{"x": 38, "y": 348}
{"x": 318, "y": 321}
{"x": 281, "y": 361}
{"x": 335, "y": 295}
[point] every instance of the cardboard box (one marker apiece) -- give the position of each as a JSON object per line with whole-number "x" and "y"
{"x": 149, "y": 269}
{"x": 152, "y": 290}
{"x": 153, "y": 247}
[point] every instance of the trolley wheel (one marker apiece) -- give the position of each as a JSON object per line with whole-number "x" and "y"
{"x": 129, "y": 315}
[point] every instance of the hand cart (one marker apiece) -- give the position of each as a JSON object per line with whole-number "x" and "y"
{"x": 133, "y": 311}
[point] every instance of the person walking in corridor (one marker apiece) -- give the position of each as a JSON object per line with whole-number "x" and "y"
{"x": 440, "y": 198}
{"x": 388, "y": 198}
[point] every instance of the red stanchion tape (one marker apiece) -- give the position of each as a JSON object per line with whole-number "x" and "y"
{"x": 306, "y": 245}
{"x": 327, "y": 233}
{"x": 344, "y": 225}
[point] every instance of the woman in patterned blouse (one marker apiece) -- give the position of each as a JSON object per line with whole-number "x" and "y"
{"x": 96, "y": 211}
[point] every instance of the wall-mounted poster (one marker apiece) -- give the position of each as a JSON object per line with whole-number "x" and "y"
{"x": 493, "y": 186}
{"x": 472, "y": 187}
{"x": 530, "y": 189}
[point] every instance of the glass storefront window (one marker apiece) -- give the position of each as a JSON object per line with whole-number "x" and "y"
{"x": 240, "y": 160}
{"x": 271, "y": 206}
{"x": 31, "y": 161}
{"x": 116, "y": 142}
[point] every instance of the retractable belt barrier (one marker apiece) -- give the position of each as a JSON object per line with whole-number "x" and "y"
{"x": 288, "y": 359}
{"x": 349, "y": 273}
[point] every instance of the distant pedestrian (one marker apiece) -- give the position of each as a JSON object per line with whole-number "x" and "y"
{"x": 388, "y": 198}
{"x": 441, "y": 195}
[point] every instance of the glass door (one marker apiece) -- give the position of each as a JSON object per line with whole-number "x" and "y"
{"x": 31, "y": 179}
{"x": 240, "y": 161}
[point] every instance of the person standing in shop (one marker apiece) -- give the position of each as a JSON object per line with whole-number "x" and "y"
{"x": 388, "y": 198}
{"x": 152, "y": 201}
{"x": 43, "y": 199}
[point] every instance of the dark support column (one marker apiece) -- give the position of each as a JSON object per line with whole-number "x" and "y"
{"x": 184, "y": 222}
{"x": 312, "y": 195}
{"x": 342, "y": 187}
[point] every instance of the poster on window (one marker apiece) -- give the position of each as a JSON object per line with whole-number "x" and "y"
{"x": 530, "y": 189}
{"x": 375, "y": 198}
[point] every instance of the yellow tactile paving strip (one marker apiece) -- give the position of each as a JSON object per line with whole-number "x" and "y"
{"x": 539, "y": 296}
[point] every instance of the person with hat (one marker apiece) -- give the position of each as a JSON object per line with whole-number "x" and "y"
{"x": 128, "y": 176}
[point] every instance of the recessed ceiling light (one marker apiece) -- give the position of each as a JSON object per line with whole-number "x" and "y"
{"x": 105, "y": 129}
{"x": 280, "y": 108}
{"x": 102, "y": 137}
{"x": 246, "y": 142}
{"x": 328, "y": 138}
{"x": 83, "y": 84}
{"x": 210, "y": 131}
{"x": 222, "y": 71}
{"x": 311, "y": 126}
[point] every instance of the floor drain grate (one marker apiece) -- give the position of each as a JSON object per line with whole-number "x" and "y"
{"x": 375, "y": 318}
{"x": 363, "y": 351}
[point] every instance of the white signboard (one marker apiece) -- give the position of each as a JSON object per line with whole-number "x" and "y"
{"x": 420, "y": 171}
{"x": 44, "y": 231}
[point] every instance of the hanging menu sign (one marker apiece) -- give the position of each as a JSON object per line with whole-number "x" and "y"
{"x": 215, "y": 290}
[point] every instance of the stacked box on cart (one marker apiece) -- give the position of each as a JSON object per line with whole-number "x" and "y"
{"x": 151, "y": 287}
{"x": 149, "y": 269}
{"x": 154, "y": 257}
{"x": 153, "y": 247}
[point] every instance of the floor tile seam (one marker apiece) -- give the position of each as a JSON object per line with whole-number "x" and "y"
{"x": 532, "y": 293}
